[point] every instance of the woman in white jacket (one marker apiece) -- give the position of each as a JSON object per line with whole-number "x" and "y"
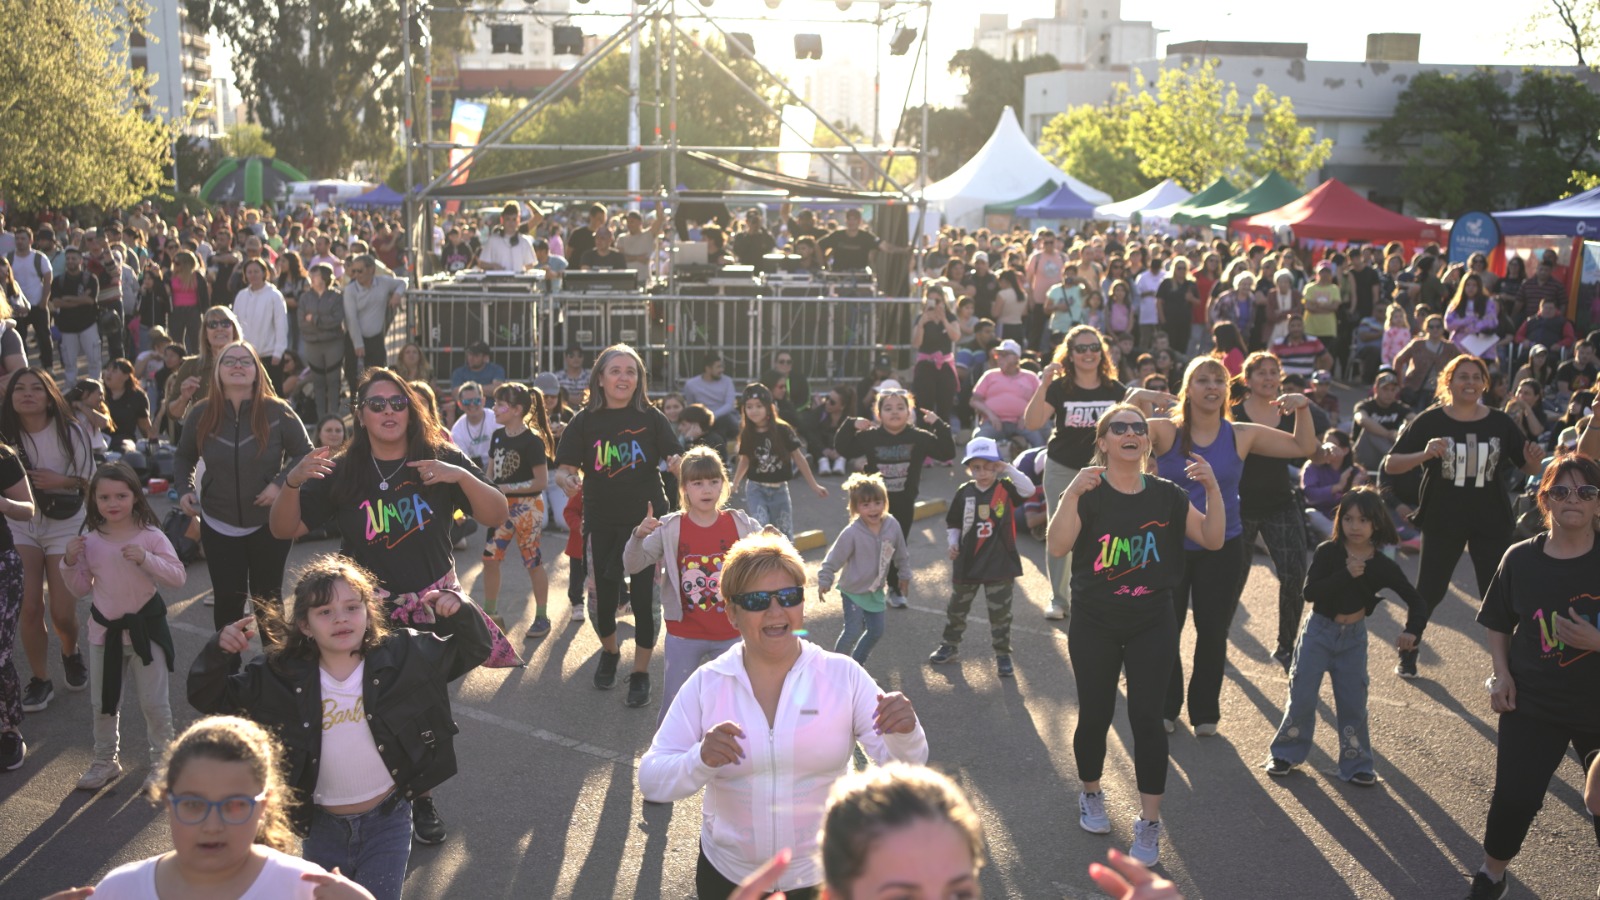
{"x": 263, "y": 316}
{"x": 765, "y": 791}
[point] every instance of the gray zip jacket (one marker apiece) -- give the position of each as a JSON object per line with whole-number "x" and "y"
{"x": 861, "y": 559}
{"x": 235, "y": 471}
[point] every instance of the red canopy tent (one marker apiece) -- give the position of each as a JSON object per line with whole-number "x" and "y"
{"x": 1334, "y": 214}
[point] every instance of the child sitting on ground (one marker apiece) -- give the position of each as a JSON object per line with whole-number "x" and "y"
{"x": 860, "y": 556}
{"x": 982, "y": 524}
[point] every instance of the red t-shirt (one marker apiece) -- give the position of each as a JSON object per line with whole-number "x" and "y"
{"x": 700, "y": 555}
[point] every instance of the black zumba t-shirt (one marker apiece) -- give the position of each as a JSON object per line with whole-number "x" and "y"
{"x": 1129, "y": 553}
{"x": 770, "y": 463}
{"x": 1555, "y": 682}
{"x": 897, "y": 457}
{"x": 1466, "y": 485}
{"x": 1077, "y": 410}
{"x": 619, "y": 452}
{"x": 401, "y": 535}
{"x": 513, "y": 459}
{"x": 988, "y": 524}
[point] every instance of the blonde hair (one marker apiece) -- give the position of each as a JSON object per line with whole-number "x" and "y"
{"x": 232, "y": 739}
{"x": 756, "y": 556}
{"x": 861, "y": 488}
{"x": 697, "y": 464}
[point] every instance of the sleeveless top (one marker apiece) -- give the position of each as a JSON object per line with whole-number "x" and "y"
{"x": 1223, "y": 455}
{"x": 1265, "y": 487}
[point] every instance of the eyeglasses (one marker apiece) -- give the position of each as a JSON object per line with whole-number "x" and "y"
{"x": 1585, "y": 492}
{"x": 192, "y": 810}
{"x": 1085, "y": 348}
{"x": 471, "y": 401}
{"x": 832, "y": 401}
{"x": 236, "y": 362}
{"x": 758, "y": 601}
{"x": 1139, "y": 428}
{"x": 397, "y": 403}
{"x": 218, "y": 323}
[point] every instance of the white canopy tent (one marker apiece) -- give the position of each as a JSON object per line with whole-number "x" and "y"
{"x": 1005, "y": 168}
{"x": 1148, "y": 205}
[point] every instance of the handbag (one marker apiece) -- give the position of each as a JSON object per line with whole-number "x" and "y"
{"x": 52, "y": 505}
{"x": 176, "y": 527}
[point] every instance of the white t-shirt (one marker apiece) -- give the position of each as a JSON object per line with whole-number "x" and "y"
{"x": 351, "y": 771}
{"x": 27, "y": 274}
{"x": 474, "y": 439}
{"x": 511, "y": 254}
{"x": 279, "y": 880}
{"x": 1144, "y": 289}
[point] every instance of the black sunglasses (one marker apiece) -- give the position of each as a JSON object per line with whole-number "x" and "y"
{"x": 1586, "y": 492}
{"x": 1139, "y": 428}
{"x": 758, "y": 601}
{"x": 1085, "y": 348}
{"x": 398, "y": 403}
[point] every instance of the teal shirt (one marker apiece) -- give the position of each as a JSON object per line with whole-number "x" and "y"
{"x": 873, "y": 602}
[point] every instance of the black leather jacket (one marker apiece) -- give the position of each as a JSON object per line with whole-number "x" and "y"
{"x": 406, "y": 698}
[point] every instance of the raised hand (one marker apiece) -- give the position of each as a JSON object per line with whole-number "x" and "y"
{"x": 235, "y": 636}
{"x": 1087, "y": 479}
{"x": 74, "y": 550}
{"x": 720, "y": 747}
{"x": 437, "y": 471}
{"x": 650, "y": 524}
{"x": 1199, "y": 471}
{"x": 894, "y": 714}
{"x": 316, "y": 464}
{"x": 445, "y": 603}
{"x": 1356, "y": 567}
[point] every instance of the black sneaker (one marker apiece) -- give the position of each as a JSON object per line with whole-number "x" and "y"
{"x": 944, "y": 654}
{"x": 37, "y": 695}
{"x": 1407, "y": 667}
{"x": 77, "y": 672}
{"x": 1278, "y": 768}
{"x": 638, "y": 689}
{"x": 1486, "y": 888}
{"x": 1285, "y": 658}
{"x": 605, "y": 674}
{"x": 13, "y": 750}
{"x": 425, "y": 824}
{"x": 1002, "y": 662}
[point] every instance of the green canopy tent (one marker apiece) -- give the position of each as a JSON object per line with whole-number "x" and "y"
{"x": 252, "y": 180}
{"x": 1009, "y": 208}
{"x": 1270, "y": 192}
{"x": 1215, "y": 192}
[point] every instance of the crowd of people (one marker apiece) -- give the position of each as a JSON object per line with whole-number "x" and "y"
{"x": 1148, "y": 407}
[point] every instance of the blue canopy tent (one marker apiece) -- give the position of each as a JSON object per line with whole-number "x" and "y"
{"x": 1064, "y": 203}
{"x": 382, "y": 195}
{"x": 1576, "y": 216}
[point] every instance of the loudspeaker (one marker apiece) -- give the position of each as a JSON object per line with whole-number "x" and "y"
{"x": 808, "y": 46}
{"x": 567, "y": 40}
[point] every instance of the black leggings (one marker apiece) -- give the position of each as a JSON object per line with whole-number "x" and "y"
{"x": 1284, "y": 531}
{"x": 709, "y": 884}
{"x": 935, "y": 387}
{"x": 605, "y": 562}
{"x": 1441, "y": 550}
{"x": 1100, "y": 652}
{"x": 1211, "y": 585}
{"x": 1530, "y": 751}
{"x": 903, "y": 506}
{"x": 241, "y": 568}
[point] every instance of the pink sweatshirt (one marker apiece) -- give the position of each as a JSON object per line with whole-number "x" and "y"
{"x": 121, "y": 588}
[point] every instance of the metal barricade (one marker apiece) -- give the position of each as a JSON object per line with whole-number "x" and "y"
{"x": 444, "y": 321}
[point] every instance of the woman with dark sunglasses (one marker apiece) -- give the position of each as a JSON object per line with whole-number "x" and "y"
{"x": 812, "y": 706}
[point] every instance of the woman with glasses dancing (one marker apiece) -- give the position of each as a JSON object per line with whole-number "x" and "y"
{"x": 814, "y": 707}
{"x": 249, "y": 439}
{"x": 192, "y": 382}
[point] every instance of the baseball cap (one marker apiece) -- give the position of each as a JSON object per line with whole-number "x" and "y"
{"x": 982, "y": 448}
{"x": 980, "y": 255}
{"x": 1569, "y": 437}
{"x": 889, "y": 384}
{"x": 1386, "y": 378}
{"x": 1009, "y": 346}
{"x": 479, "y": 347}
{"x": 1537, "y": 349}
{"x": 1321, "y": 375}
{"x": 547, "y": 383}
{"x": 756, "y": 392}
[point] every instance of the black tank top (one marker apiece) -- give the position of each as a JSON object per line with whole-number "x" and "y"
{"x": 1264, "y": 485}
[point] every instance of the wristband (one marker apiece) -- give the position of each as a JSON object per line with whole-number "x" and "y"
{"x": 292, "y": 487}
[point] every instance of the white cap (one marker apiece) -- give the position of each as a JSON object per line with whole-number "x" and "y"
{"x": 1009, "y": 346}
{"x": 982, "y": 448}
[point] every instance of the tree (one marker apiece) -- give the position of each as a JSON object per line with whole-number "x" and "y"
{"x": 246, "y": 139}
{"x": 1561, "y": 145}
{"x": 1570, "y": 26}
{"x": 78, "y": 127}
{"x": 956, "y": 133}
{"x": 1092, "y": 144}
{"x": 1284, "y": 145}
{"x": 323, "y": 77}
{"x": 1191, "y": 128}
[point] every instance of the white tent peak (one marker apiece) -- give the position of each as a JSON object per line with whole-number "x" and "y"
{"x": 1166, "y": 194}
{"x": 1006, "y": 167}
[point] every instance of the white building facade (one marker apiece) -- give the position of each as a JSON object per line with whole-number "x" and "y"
{"x": 178, "y": 55}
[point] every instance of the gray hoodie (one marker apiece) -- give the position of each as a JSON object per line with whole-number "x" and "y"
{"x": 861, "y": 558}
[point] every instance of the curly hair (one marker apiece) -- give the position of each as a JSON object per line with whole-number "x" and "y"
{"x": 232, "y": 739}
{"x": 314, "y": 589}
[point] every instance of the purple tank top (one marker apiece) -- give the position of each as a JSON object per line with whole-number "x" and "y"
{"x": 1223, "y": 455}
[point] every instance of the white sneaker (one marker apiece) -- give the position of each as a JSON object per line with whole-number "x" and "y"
{"x": 578, "y": 614}
{"x": 209, "y": 600}
{"x": 1207, "y": 730}
{"x": 1146, "y": 842}
{"x": 897, "y": 599}
{"x": 99, "y": 775}
{"x": 1169, "y": 725}
{"x": 1055, "y": 613}
{"x": 1092, "y": 813}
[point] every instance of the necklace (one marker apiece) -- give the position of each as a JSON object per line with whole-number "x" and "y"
{"x": 383, "y": 480}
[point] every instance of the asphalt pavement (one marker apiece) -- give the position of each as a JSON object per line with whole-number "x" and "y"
{"x": 547, "y": 803}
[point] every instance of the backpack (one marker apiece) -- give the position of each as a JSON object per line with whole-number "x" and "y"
{"x": 176, "y": 527}
{"x": 23, "y": 305}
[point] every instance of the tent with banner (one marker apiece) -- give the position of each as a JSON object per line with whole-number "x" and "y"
{"x": 1005, "y": 168}
{"x": 1334, "y": 213}
{"x": 1167, "y": 193}
{"x": 1064, "y": 203}
{"x": 1575, "y": 216}
{"x": 1268, "y": 193}
{"x": 251, "y": 180}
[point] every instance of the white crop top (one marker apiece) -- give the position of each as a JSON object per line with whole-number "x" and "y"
{"x": 351, "y": 770}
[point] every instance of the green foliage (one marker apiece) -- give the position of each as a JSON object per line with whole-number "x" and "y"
{"x": 1561, "y": 26}
{"x": 1093, "y": 144}
{"x": 1191, "y": 128}
{"x": 1283, "y": 144}
{"x": 246, "y": 139}
{"x": 323, "y": 77}
{"x": 712, "y": 111}
{"x": 77, "y": 132}
{"x": 1459, "y": 143}
{"x": 956, "y": 133}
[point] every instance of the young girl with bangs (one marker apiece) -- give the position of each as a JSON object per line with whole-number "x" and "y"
{"x": 770, "y": 452}
{"x": 380, "y": 694}
{"x": 121, "y": 562}
{"x": 1346, "y": 574}
{"x": 519, "y": 468}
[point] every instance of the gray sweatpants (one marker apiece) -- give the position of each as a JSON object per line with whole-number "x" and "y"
{"x": 684, "y": 655}
{"x": 328, "y": 356}
{"x": 1056, "y": 479}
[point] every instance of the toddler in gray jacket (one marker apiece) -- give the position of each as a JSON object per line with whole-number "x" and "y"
{"x": 860, "y": 558}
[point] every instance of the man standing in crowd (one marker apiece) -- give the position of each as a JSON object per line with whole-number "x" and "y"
{"x": 1042, "y": 273}
{"x": 1300, "y": 353}
{"x": 34, "y": 275}
{"x": 368, "y": 297}
{"x": 73, "y": 298}
{"x": 581, "y": 240}
{"x": 850, "y": 248}
{"x": 602, "y": 255}
{"x": 638, "y": 245}
{"x": 507, "y": 250}
{"x": 982, "y": 285}
{"x": 754, "y": 242}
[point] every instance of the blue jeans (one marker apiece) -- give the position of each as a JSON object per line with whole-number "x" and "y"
{"x": 370, "y": 848}
{"x": 861, "y": 631}
{"x": 1008, "y": 430}
{"x": 1341, "y": 652}
{"x": 769, "y": 505}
